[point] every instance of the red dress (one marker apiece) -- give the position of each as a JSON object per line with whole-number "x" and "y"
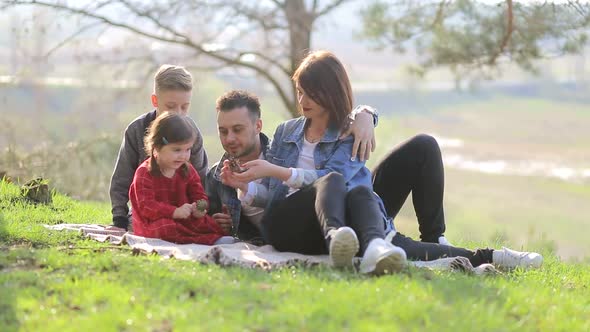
{"x": 154, "y": 199}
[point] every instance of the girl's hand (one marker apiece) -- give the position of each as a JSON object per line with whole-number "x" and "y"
{"x": 199, "y": 213}
{"x": 200, "y": 208}
{"x": 183, "y": 211}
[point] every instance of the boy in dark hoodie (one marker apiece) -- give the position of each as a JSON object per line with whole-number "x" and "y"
{"x": 172, "y": 93}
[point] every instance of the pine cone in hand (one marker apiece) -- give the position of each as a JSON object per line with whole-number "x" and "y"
{"x": 202, "y": 205}
{"x": 234, "y": 165}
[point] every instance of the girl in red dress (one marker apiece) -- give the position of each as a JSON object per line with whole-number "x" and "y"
{"x": 166, "y": 187}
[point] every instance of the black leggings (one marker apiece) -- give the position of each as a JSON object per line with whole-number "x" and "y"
{"x": 414, "y": 166}
{"x": 423, "y": 251}
{"x": 301, "y": 221}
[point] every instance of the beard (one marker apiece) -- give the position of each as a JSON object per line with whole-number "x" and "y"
{"x": 247, "y": 150}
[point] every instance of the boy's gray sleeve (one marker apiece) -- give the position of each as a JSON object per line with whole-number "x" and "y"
{"x": 122, "y": 177}
{"x": 199, "y": 157}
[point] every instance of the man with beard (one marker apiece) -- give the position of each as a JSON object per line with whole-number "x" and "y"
{"x": 413, "y": 166}
{"x": 240, "y": 133}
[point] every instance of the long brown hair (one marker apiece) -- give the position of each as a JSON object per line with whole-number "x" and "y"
{"x": 166, "y": 129}
{"x": 324, "y": 79}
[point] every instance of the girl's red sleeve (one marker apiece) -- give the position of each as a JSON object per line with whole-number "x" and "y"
{"x": 195, "y": 188}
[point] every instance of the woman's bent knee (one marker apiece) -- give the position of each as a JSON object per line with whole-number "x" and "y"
{"x": 359, "y": 192}
{"x": 333, "y": 181}
{"x": 426, "y": 142}
{"x": 334, "y": 177}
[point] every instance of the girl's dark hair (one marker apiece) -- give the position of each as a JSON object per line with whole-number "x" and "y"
{"x": 166, "y": 129}
{"x": 323, "y": 78}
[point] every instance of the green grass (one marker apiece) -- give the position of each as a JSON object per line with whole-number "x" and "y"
{"x": 54, "y": 281}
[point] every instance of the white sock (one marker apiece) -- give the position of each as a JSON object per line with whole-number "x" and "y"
{"x": 443, "y": 240}
{"x": 225, "y": 240}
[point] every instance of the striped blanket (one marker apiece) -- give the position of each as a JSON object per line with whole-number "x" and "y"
{"x": 237, "y": 254}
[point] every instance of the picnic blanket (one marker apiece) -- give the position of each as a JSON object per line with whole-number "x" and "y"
{"x": 236, "y": 254}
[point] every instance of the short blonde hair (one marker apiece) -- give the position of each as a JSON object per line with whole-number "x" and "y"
{"x": 171, "y": 77}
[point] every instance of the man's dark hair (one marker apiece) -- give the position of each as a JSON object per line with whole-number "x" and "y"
{"x": 236, "y": 99}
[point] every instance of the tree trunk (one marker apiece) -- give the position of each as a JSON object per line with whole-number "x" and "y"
{"x": 300, "y": 22}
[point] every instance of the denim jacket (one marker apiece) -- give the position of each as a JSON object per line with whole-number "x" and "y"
{"x": 330, "y": 155}
{"x": 220, "y": 194}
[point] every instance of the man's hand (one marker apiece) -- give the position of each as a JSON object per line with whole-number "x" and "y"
{"x": 228, "y": 177}
{"x": 224, "y": 221}
{"x": 184, "y": 211}
{"x": 363, "y": 130}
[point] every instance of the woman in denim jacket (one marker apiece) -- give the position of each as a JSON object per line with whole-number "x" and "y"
{"x": 318, "y": 199}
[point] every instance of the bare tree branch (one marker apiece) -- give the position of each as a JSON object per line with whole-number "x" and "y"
{"x": 439, "y": 14}
{"x": 264, "y": 20}
{"x": 286, "y": 27}
{"x": 155, "y": 21}
{"x": 279, "y": 3}
{"x": 507, "y": 34}
{"x": 269, "y": 60}
{"x": 329, "y": 8}
{"x": 70, "y": 38}
{"x": 205, "y": 68}
{"x": 180, "y": 39}
{"x": 101, "y": 18}
{"x": 578, "y": 7}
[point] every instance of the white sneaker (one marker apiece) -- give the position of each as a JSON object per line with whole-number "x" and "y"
{"x": 343, "y": 247}
{"x": 382, "y": 257}
{"x": 508, "y": 258}
{"x": 443, "y": 240}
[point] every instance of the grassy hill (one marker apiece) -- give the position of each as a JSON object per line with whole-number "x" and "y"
{"x": 54, "y": 281}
